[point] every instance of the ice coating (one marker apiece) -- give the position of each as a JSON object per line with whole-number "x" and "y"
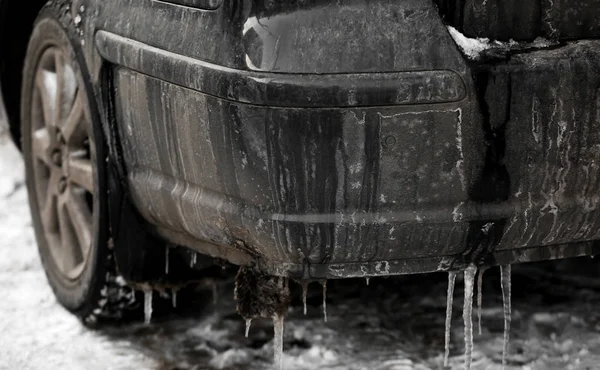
{"x": 248, "y": 323}
{"x": 468, "y": 314}
{"x": 473, "y": 48}
{"x": 479, "y": 296}
{"x": 278, "y": 341}
{"x": 324, "y": 283}
{"x": 147, "y": 305}
{"x": 450, "y": 295}
{"x": 505, "y": 274}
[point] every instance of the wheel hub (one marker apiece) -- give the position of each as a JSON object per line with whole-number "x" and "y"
{"x": 57, "y": 157}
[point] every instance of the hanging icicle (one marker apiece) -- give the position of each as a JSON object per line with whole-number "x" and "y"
{"x": 248, "y": 323}
{"x": 278, "y": 340}
{"x": 147, "y": 305}
{"x": 215, "y": 291}
{"x": 132, "y": 296}
{"x": 480, "y": 296}
{"x": 167, "y": 259}
{"x": 449, "y": 299}
{"x": 468, "y": 314}
{"x": 174, "y": 297}
{"x": 367, "y": 281}
{"x": 324, "y": 284}
{"x": 505, "y": 281}
{"x": 304, "y": 294}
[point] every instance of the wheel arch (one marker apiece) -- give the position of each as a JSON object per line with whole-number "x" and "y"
{"x": 16, "y": 24}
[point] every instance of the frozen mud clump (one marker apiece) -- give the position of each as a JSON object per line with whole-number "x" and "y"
{"x": 261, "y": 295}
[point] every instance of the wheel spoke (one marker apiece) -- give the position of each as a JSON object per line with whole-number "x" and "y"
{"x": 81, "y": 219}
{"x": 81, "y": 173}
{"x": 72, "y": 128}
{"x": 49, "y": 210}
{"x": 69, "y": 254}
{"x": 70, "y": 86}
{"x": 40, "y": 145}
{"x": 47, "y": 86}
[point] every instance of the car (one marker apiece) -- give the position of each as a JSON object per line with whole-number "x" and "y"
{"x": 304, "y": 140}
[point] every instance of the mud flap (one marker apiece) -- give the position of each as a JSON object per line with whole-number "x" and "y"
{"x": 140, "y": 256}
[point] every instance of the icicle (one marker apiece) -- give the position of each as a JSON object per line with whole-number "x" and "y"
{"x": 193, "y": 259}
{"x": 248, "y": 323}
{"x": 367, "y": 281}
{"x": 215, "y": 291}
{"x": 505, "y": 272}
{"x": 278, "y": 340}
{"x": 167, "y": 259}
{"x": 480, "y": 297}
{"x": 174, "y": 297}
{"x": 132, "y": 300}
{"x": 304, "y": 294}
{"x": 468, "y": 314}
{"x": 147, "y": 305}
{"x": 449, "y": 298}
{"x": 324, "y": 283}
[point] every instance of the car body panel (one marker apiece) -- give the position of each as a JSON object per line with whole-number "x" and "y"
{"x": 289, "y": 159}
{"x": 293, "y": 161}
{"x": 322, "y": 139}
{"x": 552, "y": 145}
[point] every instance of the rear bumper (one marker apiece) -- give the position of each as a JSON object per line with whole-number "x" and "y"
{"x": 313, "y": 179}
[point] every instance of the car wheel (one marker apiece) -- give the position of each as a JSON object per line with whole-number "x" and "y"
{"x": 65, "y": 172}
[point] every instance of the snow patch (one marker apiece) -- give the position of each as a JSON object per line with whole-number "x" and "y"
{"x": 230, "y": 358}
{"x": 472, "y": 48}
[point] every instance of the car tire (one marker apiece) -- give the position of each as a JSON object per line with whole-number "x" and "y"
{"x": 64, "y": 154}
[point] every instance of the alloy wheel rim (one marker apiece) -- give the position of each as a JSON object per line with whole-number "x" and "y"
{"x": 63, "y": 162}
